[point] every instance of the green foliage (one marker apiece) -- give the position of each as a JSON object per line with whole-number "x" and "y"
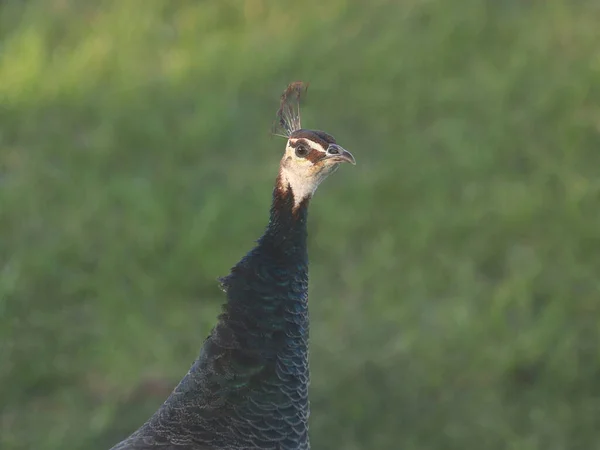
{"x": 454, "y": 271}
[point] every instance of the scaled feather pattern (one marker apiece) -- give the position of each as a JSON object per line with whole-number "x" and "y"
{"x": 249, "y": 387}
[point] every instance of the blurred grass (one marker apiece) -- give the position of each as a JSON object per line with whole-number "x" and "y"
{"x": 454, "y": 271}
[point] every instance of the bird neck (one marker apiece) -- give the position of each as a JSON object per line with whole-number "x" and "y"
{"x": 286, "y": 232}
{"x": 274, "y": 274}
{"x": 249, "y": 385}
{"x": 264, "y": 329}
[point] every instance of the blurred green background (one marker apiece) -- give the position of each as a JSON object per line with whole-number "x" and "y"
{"x": 455, "y": 271}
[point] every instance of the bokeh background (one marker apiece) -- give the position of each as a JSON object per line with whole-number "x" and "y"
{"x": 455, "y": 271}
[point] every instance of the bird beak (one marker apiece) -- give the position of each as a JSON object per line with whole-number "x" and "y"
{"x": 337, "y": 153}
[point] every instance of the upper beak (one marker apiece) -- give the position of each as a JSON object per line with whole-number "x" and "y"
{"x": 340, "y": 154}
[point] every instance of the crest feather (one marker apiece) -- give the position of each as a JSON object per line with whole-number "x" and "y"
{"x": 288, "y": 114}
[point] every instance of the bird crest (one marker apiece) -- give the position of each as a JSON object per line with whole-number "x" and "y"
{"x": 288, "y": 114}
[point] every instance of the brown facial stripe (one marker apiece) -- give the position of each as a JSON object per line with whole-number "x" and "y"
{"x": 318, "y": 136}
{"x": 314, "y": 155}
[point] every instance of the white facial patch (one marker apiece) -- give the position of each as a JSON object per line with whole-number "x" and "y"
{"x": 302, "y": 175}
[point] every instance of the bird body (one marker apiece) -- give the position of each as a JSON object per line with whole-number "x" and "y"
{"x": 248, "y": 389}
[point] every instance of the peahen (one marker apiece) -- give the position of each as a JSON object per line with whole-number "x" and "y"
{"x": 248, "y": 389}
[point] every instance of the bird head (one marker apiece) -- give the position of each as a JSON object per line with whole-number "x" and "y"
{"x": 310, "y": 155}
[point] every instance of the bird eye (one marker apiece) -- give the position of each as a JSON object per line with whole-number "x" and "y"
{"x": 301, "y": 151}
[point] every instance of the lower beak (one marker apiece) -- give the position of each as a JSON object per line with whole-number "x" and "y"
{"x": 341, "y": 155}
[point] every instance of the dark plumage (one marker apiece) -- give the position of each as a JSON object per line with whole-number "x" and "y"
{"x": 248, "y": 389}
